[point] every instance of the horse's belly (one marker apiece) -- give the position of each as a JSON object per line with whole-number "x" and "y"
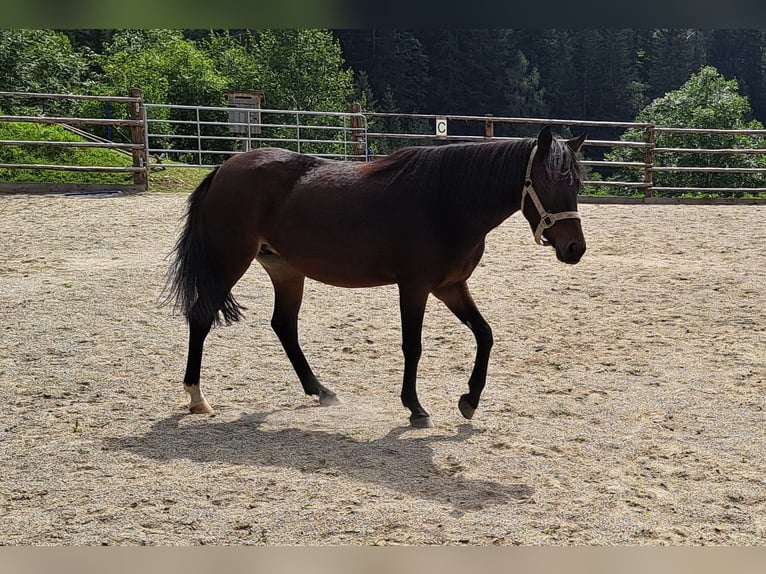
{"x": 336, "y": 267}
{"x": 346, "y": 273}
{"x": 348, "y": 247}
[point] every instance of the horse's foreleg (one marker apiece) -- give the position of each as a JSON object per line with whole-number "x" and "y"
{"x": 198, "y": 330}
{"x": 288, "y": 295}
{"x": 458, "y": 299}
{"x": 412, "y": 305}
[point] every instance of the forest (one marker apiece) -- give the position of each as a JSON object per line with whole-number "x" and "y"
{"x": 589, "y": 74}
{"x": 571, "y": 74}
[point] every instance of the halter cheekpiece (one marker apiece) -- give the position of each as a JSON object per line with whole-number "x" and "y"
{"x": 547, "y": 219}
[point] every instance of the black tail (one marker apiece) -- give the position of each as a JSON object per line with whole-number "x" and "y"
{"x": 192, "y": 281}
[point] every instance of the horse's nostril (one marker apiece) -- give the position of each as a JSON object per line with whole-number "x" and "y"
{"x": 576, "y": 249}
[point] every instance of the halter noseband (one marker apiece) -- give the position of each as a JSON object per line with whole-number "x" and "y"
{"x": 546, "y": 219}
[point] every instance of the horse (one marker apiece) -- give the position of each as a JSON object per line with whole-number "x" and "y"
{"x": 417, "y": 218}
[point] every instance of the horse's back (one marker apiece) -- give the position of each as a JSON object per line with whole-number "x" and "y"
{"x": 265, "y": 167}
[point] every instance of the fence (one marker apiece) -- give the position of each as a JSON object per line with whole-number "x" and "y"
{"x": 202, "y": 136}
{"x": 759, "y": 153}
{"x": 34, "y": 109}
{"x": 196, "y": 136}
{"x": 429, "y": 129}
{"x": 483, "y": 128}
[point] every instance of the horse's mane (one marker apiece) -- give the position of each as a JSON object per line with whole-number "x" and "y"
{"x": 466, "y": 173}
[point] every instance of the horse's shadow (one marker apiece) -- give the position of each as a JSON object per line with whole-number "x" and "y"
{"x": 404, "y": 464}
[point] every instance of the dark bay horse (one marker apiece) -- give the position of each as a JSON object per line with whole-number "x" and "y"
{"x": 417, "y": 218}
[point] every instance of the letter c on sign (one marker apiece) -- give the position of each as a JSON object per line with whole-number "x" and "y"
{"x": 441, "y": 127}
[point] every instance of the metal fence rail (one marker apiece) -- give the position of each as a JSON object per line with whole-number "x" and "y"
{"x": 196, "y": 136}
{"x": 620, "y": 175}
{"x": 180, "y": 136}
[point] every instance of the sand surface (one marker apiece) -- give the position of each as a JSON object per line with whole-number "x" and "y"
{"x": 624, "y": 405}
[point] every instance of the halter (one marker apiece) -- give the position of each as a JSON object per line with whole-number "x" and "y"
{"x": 546, "y": 219}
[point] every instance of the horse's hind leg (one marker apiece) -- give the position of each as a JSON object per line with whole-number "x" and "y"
{"x": 198, "y": 331}
{"x": 288, "y": 296}
{"x": 458, "y": 299}
{"x": 215, "y": 300}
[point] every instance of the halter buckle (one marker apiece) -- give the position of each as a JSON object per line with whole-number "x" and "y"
{"x": 547, "y": 220}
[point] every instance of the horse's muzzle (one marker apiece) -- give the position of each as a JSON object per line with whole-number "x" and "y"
{"x": 570, "y": 251}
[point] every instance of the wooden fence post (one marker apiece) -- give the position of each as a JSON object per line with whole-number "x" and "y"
{"x": 357, "y": 132}
{"x": 649, "y": 160}
{"x": 489, "y": 127}
{"x": 138, "y": 136}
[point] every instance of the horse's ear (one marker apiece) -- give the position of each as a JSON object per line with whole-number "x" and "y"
{"x": 576, "y": 143}
{"x": 544, "y": 139}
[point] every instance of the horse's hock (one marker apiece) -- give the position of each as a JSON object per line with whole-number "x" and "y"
{"x": 624, "y": 401}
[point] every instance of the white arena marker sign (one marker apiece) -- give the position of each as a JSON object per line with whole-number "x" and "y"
{"x": 441, "y": 126}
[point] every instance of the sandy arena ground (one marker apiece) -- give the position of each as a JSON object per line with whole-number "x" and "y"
{"x": 625, "y": 401}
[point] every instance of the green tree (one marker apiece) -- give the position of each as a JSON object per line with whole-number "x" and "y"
{"x": 303, "y": 70}
{"x": 552, "y": 51}
{"x": 671, "y": 57}
{"x": 476, "y": 72}
{"x": 447, "y": 83}
{"x": 393, "y": 60}
{"x": 363, "y": 92}
{"x": 42, "y": 61}
{"x": 520, "y": 87}
{"x": 168, "y": 68}
{"x": 622, "y": 72}
{"x": 706, "y": 100}
{"x": 236, "y": 58}
{"x": 93, "y": 39}
{"x": 606, "y": 73}
{"x": 295, "y": 70}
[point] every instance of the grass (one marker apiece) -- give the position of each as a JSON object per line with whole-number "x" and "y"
{"x": 164, "y": 180}
{"x": 176, "y": 180}
{"x": 56, "y": 156}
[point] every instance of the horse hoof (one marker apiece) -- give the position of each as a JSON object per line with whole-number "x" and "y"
{"x": 201, "y": 408}
{"x": 421, "y": 421}
{"x": 329, "y": 399}
{"x": 466, "y": 408}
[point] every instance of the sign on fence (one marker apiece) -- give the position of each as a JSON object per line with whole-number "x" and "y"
{"x": 441, "y": 127}
{"x": 244, "y": 121}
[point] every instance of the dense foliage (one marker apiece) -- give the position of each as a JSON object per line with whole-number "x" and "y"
{"x": 584, "y": 73}
{"x": 590, "y": 74}
{"x": 706, "y": 100}
{"x": 296, "y": 69}
{"x": 42, "y": 61}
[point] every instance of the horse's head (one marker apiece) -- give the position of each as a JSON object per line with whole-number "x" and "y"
{"x": 549, "y": 198}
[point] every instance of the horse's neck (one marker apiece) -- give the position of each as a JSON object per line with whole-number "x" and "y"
{"x": 476, "y": 219}
{"x": 491, "y": 200}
